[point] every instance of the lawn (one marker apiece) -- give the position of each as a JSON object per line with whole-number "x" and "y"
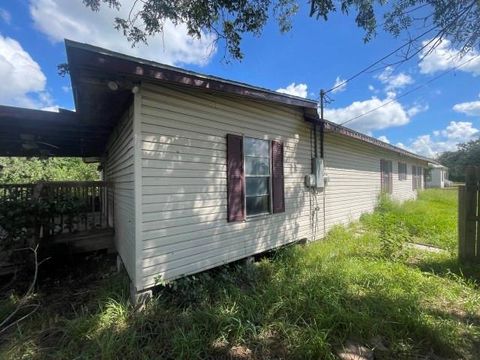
{"x": 301, "y": 302}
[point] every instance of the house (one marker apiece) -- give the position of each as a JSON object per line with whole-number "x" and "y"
{"x": 205, "y": 171}
{"x": 436, "y": 176}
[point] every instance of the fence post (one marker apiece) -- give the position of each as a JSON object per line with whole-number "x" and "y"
{"x": 477, "y": 220}
{"x": 470, "y": 208}
{"x": 462, "y": 218}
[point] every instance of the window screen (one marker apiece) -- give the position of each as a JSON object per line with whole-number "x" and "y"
{"x": 257, "y": 176}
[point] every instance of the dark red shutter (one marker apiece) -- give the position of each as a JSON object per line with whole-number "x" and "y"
{"x": 278, "y": 182}
{"x": 235, "y": 182}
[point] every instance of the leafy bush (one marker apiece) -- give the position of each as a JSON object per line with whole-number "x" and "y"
{"x": 18, "y": 170}
{"x": 22, "y": 218}
{"x": 301, "y": 303}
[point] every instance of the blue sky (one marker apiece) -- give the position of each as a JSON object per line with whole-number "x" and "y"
{"x": 312, "y": 56}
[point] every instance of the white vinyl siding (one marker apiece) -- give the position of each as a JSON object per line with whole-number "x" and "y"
{"x": 180, "y": 175}
{"x": 119, "y": 171}
{"x": 185, "y": 228}
{"x": 354, "y": 178}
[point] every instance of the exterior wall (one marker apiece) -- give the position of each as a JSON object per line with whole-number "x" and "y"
{"x": 184, "y": 208}
{"x": 353, "y": 171}
{"x": 180, "y": 202}
{"x": 437, "y": 180}
{"x": 119, "y": 170}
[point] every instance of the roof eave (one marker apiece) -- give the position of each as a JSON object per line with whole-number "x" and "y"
{"x": 86, "y": 57}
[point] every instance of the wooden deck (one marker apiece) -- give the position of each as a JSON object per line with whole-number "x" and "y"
{"x": 86, "y": 241}
{"x": 79, "y": 220}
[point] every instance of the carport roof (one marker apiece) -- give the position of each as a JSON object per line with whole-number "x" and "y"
{"x": 26, "y": 132}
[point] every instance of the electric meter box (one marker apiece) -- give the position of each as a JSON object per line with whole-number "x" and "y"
{"x": 318, "y": 170}
{"x": 310, "y": 181}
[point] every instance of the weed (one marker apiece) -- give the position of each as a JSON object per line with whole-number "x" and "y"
{"x": 299, "y": 303}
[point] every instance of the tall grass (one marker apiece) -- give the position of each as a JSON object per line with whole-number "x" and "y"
{"x": 302, "y": 302}
{"x": 431, "y": 220}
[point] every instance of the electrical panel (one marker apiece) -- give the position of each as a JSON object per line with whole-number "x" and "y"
{"x": 317, "y": 178}
{"x": 310, "y": 181}
{"x": 318, "y": 170}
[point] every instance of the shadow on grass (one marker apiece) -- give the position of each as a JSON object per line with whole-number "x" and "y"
{"x": 288, "y": 307}
{"x": 448, "y": 265}
{"x": 286, "y": 313}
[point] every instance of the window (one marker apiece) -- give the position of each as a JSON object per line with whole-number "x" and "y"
{"x": 257, "y": 176}
{"x": 386, "y": 176}
{"x": 402, "y": 171}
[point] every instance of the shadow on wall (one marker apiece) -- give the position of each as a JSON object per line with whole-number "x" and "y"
{"x": 185, "y": 227}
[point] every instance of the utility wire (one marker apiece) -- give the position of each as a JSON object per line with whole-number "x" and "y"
{"x": 344, "y": 82}
{"x": 412, "y": 90}
{"x": 408, "y": 43}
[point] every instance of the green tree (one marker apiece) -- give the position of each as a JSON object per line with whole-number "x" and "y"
{"x": 16, "y": 170}
{"x": 457, "y": 20}
{"x": 456, "y": 161}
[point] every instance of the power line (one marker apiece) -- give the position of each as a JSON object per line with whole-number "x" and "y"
{"x": 412, "y": 90}
{"x": 408, "y": 43}
{"x": 380, "y": 60}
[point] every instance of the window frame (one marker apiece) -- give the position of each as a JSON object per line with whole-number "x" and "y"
{"x": 270, "y": 200}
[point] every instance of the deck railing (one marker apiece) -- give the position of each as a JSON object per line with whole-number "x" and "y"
{"x": 63, "y": 207}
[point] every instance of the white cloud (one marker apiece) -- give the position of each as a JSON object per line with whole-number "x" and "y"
{"x": 342, "y": 85}
{"x": 459, "y": 131}
{"x": 54, "y": 108}
{"x": 390, "y": 113}
{"x": 23, "y": 82}
{"x": 300, "y": 90}
{"x": 446, "y": 57}
{"x": 471, "y": 108}
{"x": 447, "y": 139}
{"x": 393, "y": 82}
{"x": 59, "y": 19}
{"x": 5, "y": 16}
{"x": 66, "y": 88}
{"x": 384, "y": 139}
{"x": 416, "y": 109}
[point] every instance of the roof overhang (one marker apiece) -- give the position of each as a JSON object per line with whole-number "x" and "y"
{"x": 102, "y": 83}
{"x": 94, "y": 65}
{"x": 435, "y": 165}
{"x": 342, "y": 130}
{"x": 26, "y": 132}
